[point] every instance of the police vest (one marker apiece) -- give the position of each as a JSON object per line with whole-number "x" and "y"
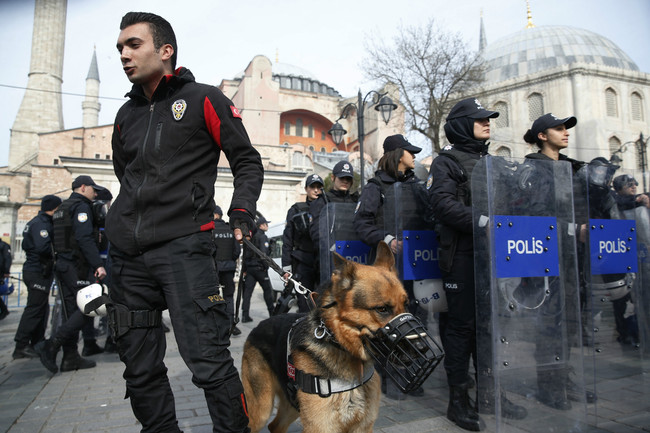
{"x": 64, "y": 240}
{"x": 300, "y": 222}
{"x": 224, "y": 241}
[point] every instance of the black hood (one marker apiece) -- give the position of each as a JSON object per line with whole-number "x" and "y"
{"x": 460, "y": 133}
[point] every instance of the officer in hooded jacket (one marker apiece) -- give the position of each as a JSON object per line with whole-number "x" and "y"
{"x": 467, "y": 128}
{"x": 297, "y": 247}
{"x": 38, "y": 275}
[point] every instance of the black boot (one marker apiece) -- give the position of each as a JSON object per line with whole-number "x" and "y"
{"x": 73, "y": 361}
{"x": 47, "y": 351}
{"x": 245, "y": 318}
{"x": 459, "y": 410}
{"x": 91, "y": 348}
{"x": 21, "y": 352}
{"x": 509, "y": 409}
{"x": 551, "y": 389}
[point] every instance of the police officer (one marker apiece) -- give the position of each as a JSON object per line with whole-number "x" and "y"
{"x": 257, "y": 271}
{"x": 468, "y": 129}
{"x": 297, "y": 247}
{"x": 78, "y": 264}
{"x": 342, "y": 178}
{"x": 5, "y": 266}
{"x": 227, "y": 254}
{"x": 38, "y": 272}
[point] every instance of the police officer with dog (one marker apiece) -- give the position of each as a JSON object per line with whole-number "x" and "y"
{"x": 78, "y": 264}
{"x": 297, "y": 247}
{"x": 38, "y": 273}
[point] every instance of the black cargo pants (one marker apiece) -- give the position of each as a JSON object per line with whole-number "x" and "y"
{"x": 179, "y": 275}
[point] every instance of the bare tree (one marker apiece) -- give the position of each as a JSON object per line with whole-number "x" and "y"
{"x": 432, "y": 69}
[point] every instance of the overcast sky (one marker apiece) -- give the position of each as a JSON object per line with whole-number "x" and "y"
{"x": 217, "y": 39}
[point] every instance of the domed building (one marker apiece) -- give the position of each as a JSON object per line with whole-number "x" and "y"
{"x": 566, "y": 71}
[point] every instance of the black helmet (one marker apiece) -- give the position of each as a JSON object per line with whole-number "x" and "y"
{"x": 601, "y": 172}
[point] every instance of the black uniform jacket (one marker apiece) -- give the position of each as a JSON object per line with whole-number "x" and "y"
{"x": 447, "y": 176}
{"x": 367, "y": 221}
{"x": 165, "y": 155}
{"x": 316, "y": 207}
{"x": 87, "y": 251}
{"x": 37, "y": 244}
{"x": 297, "y": 243}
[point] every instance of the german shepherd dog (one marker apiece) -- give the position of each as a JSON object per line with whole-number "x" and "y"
{"x": 326, "y": 349}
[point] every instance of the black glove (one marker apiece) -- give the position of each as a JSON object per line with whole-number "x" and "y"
{"x": 242, "y": 220}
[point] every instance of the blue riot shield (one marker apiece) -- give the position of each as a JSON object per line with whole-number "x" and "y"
{"x": 529, "y": 348}
{"x": 337, "y": 234}
{"x": 613, "y": 258}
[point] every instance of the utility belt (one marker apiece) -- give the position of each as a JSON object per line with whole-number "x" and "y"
{"x": 121, "y": 319}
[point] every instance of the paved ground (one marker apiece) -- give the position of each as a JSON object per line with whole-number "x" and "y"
{"x": 92, "y": 401}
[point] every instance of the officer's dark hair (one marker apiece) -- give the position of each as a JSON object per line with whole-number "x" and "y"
{"x": 531, "y": 138}
{"x": 390, "y": 161}
{"x": 161, "y": 30}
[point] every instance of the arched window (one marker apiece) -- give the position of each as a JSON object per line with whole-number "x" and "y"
{"x": 535, "y": 106}
{"x": 311, "y": 148}
{"x": 614, "y": 145}
{"x": 322, "y": 149}
{"x": 503, "y": 121}
{"x": 611, "y": 103}
{"x": 301, "y": 162}
{"x": 310, "y": 131}
{"x": 637, "y": 106}
{"x": 298, "y": 127}
{"x": 503, "y": 151}
{"x": 287, "y": 128}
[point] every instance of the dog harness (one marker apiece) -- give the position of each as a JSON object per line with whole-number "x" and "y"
{"x": 324, "y": 387}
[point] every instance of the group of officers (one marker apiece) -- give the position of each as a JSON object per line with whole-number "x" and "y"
{"x": 64, "y": 242}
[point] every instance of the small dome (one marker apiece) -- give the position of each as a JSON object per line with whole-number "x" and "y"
{"x": 540, "y": 48}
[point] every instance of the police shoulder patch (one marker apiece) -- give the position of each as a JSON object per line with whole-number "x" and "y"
{"x": 44, "y": 234}
{"x": 178, "y": 109}
{"x": 429, "y": 181}
{"x": 82, "y": 217}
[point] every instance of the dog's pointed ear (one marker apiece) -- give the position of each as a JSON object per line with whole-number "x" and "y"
{"x": 385, "y": 257}
{"x": 339, "y": 260}
{"x": 343, "y": 271}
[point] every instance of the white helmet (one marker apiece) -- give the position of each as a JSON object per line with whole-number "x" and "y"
{"x": 92, "y": 300}
{"x": 430, "y": 295}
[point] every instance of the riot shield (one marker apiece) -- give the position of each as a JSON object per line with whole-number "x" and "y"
{"x": 527, "y": 296}
{"x": 417, "y": 248}
{"x": 614, "y": 276}
{"x": 337, "y": 234}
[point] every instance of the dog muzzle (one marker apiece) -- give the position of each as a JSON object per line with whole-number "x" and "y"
{"x": 405, "y": 351}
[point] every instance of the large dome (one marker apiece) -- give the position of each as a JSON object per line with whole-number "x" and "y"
{"x": 540, "y": 48}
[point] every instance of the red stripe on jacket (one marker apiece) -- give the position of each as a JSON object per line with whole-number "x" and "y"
{"x": 212, "y": 121}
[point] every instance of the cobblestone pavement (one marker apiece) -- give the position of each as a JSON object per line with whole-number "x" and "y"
{"x": 92, "y": 401}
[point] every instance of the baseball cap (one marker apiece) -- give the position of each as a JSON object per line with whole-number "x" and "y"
{"x": 217, "y": 210}
{"x": 50, "y": 202}
{"x": 549, "y": 120}
{"x": 398, "y": 141}
{"x": 261, "y": 220}
{"x": 343, "y": 169}
{"x": 312, "y": 179}
{"x": 85, "y": 180}
{"x": 471, "y": 108}
{"x": 623, "y": 181}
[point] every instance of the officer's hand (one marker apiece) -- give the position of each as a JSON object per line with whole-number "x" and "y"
{"x": 241, "y": 223}
{"x": 100, "y": 273}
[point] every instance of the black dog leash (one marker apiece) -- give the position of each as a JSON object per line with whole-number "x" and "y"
{"x": 297, "y": 285}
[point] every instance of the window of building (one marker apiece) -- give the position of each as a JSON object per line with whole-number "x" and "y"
{"x": 108, "y": 156}
{"x": 503, "y": 151}
{"x": 301, "y": 162}
{"x": 55, "y": 161}
{"x": 535, "y": 106}
{"x": 287, "y": 128}
{"x": 503, "y": 121}
{"x": 637, "y": 106}
{"x": 311, "y": 148}
{"x": 611, "y": 103}
{"x": 97, "y": 156}
{"x": 322, "y": 135}
{"x": 310, "y": 131}
{"x": 614, "y": 145}
{"x": 322, "y": 149}
{"x": 298, "y": 127}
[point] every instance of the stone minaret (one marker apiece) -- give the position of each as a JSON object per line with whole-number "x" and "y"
{"x": 482, "y": 42}
{"x": 40, "y": 110}
{"x": 91, "y": 106}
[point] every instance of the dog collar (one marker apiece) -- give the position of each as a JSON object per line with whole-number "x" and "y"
{"x": 325, "y": 387}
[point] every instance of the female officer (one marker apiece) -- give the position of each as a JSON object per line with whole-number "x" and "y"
{"x": 467, "y": 127}
{"x": 396, "y": 165}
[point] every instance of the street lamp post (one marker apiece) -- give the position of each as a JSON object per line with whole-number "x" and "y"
{"x": 383, "y": 104}
{"x": 642, "y": 149}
